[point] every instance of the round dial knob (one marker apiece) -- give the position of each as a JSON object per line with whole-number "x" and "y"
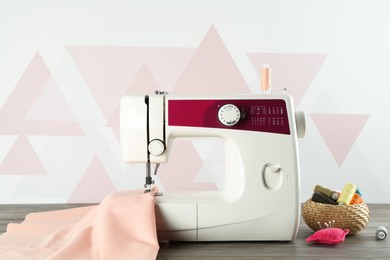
{"x": 229, "y": 115}
{"x": 156, "y": 147}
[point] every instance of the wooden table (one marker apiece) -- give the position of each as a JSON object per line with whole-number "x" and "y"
{"x": 361, "y": 246}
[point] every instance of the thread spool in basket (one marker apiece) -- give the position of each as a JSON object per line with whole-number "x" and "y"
{"x": 347, "y": 194}
{"x": 327, "y": 192}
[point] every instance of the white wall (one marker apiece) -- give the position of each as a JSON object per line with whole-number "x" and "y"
{"x": 65, "y": 64}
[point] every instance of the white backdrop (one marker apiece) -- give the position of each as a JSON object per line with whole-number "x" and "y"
{"x": 65, "y": 64}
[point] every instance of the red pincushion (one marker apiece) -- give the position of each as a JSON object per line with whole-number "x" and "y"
{"x": 328, "y": 236}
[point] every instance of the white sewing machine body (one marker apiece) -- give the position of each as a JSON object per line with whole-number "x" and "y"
{"x": 260, "y": 199}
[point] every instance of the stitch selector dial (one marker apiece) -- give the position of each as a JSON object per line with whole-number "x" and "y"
{"x": 229, "y": 115}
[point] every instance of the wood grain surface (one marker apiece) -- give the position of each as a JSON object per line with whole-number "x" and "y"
{"x": 364, "y": 245}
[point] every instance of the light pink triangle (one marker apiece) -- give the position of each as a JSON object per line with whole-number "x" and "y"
{"x": 144, "y": 82}
{"x": 211, "y": 70}
{"x": 166, "y": 64}
{"x": 22, "y": 160}
{"x": 50, "y": 105}
{"x": 93, "y": 186}
{"x": 17, "y": 105}
{"x": 109, "y": 70}
{"x": 340, "y": 132}
{"x": 114, "y": 120}
{"x": 179, "y": 174}
{"x": 294, "y": 71}
{"x": 15, "y": 115}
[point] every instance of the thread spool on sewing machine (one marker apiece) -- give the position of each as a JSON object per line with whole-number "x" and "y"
{"x": 260, "y": 199}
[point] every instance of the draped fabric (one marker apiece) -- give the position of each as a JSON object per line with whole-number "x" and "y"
{"x": 122, "y": 226}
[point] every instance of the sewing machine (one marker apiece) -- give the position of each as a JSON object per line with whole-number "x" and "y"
{"x": 261, "y": 196}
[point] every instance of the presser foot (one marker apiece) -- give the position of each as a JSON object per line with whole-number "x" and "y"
{"x": 156, "y": 194}
{"x": 148, "y": 184}
{"x": 149, "y": 189}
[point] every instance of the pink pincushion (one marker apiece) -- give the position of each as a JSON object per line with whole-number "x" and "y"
{"x": 329, "y": 236}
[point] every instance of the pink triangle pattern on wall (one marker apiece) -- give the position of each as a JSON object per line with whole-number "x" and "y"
{"x": 22, "y": 160}
{"x": 94, "y": 185}
{"x": 36, "y": 106}
{"x": 294, "y": 71}
{"x": 211, "y": 70}
{"x": 111, "y": 71}
{"x": 25, "y": 113}
{"x": 340, "y": 132}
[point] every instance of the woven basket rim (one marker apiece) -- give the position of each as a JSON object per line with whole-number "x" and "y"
{"x": 331, "y": 205}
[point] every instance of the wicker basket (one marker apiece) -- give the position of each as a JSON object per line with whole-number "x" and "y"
{"x": 352, "y": 217}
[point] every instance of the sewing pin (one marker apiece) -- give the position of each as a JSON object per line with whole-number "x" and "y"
{"x": 319, "y": 224}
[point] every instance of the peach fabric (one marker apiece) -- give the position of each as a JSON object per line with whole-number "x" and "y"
{"x": 123, "y": 226}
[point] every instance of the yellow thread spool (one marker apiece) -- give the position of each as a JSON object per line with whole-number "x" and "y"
{"x": 347, "y": 194}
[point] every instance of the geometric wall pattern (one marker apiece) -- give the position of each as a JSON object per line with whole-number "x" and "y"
{"x": 340, "y": 132}
{"x": 47, "y": 154}
{"x": 35, "y": 107}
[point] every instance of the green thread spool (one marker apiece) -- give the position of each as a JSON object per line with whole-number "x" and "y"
{"x": 327, "y": 192}
{"x": 347, "y": 194}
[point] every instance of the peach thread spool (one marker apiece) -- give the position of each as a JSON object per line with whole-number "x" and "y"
{"x": 266, "y": 79}
{"x": 346, "y": 194}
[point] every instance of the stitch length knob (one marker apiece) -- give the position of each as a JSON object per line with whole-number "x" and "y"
{"x": 229, "y": 115}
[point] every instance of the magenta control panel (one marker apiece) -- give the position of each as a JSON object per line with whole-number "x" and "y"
{"x": 262, "y": 115}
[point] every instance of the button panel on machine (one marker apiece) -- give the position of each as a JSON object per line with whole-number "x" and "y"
{"x": 263, "y": 115}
